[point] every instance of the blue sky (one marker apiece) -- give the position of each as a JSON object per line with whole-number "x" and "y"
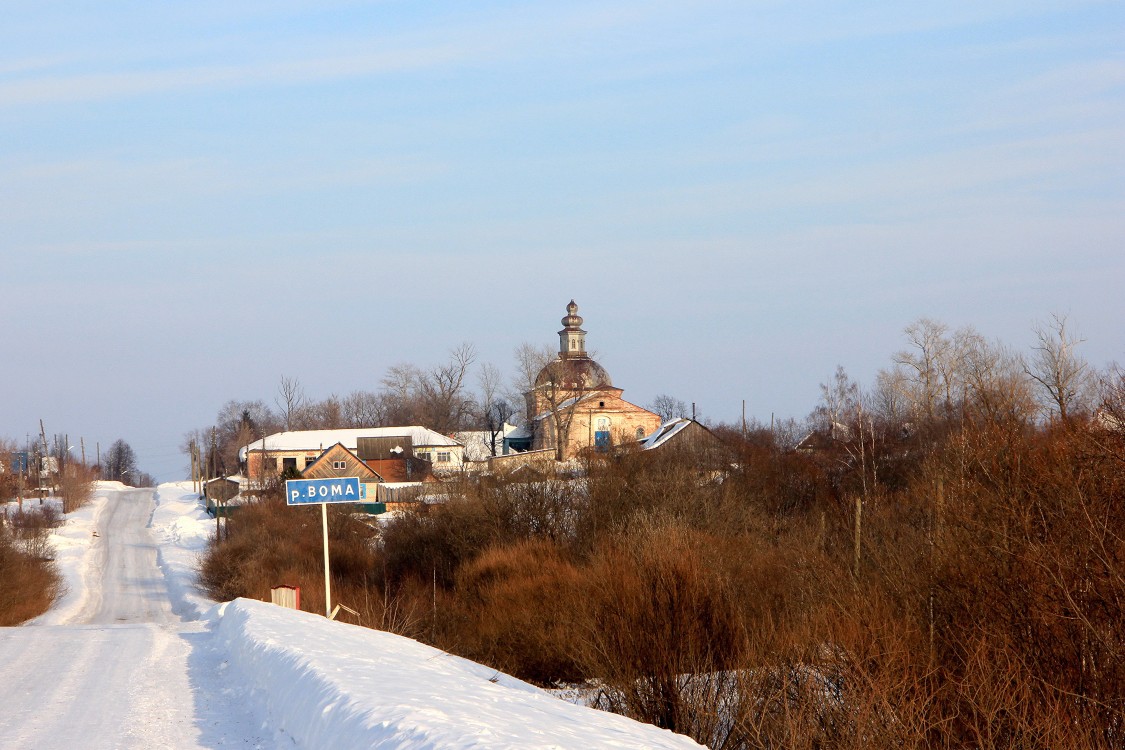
{"x": 196, "y": 199}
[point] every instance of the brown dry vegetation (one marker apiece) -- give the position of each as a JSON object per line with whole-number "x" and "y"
{"x": 953, "y": 577}
{"x": 29, "y": 582}
{"x": 76, "y": 486}
{"x": 987, "y": 608}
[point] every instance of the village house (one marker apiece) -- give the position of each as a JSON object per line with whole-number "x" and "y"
{"x": 395, "y": 454}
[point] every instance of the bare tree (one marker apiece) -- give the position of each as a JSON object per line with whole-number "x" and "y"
{"x": 290, "y": 397}
{"x": 668, "y": 407}
{"x": 838, "y": 398}
{"x": 888, "y": 398}
{"x": 1111, "y": 412}
{"x": 530, "y": 360}
{"x": 401, "y": 386}
{"x": 996, "y": 388}
{"x": 322, "y": 415}
{"x": 1064, "y": 377}
{"x": 923, "y": 365}
{"x": 119, "y": 464}
{"x": 238, "y": 423}
{"x": 437, "y": 398}
{"x": 362, "y": 409}
{"x": 446, "y": 403}
{"x": 495, "y": 410}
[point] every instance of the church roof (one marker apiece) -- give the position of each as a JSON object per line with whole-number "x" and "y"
{"x": 573, "y": 370}
{"x": 574, "y": 374}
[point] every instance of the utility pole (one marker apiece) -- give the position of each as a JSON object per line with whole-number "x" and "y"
{"x": 43, "y": 460}
{"x": 82, "y": 442}
{"x": 191, "y": 452}
{"x": 211, "y": 468}
{"x": 98, "y": 445}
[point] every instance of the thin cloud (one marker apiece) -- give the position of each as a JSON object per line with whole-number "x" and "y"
{"x": 103, "y": 86}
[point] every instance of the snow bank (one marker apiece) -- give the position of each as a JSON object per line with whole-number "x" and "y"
{"x": 181, "y": 528}
{"x": 73, "y": 556}
{"x": 328, "y": 684}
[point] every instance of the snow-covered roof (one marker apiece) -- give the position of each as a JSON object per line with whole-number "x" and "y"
{"x": 523, "y": 432}
{"x": 318, "y": 440}
{"x": 664, "y": 433}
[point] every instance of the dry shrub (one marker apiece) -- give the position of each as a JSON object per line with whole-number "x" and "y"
{"x": 660, "y": 621}
{"x": 76, "y": 486}
{"x": 517, "y": 607}
{"x": 268, "y": 544}
{"x": 30, "y": 582}
{"x": 29, "y": 530}
{"x": 1032, "y": 567}
{"x": 986, "y": 609}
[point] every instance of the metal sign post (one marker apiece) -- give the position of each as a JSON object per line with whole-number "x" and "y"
{"x": 327, "y": 578}
{"x": 322, "y": 492}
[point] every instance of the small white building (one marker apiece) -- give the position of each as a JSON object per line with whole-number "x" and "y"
{"x": 479, "y": 443}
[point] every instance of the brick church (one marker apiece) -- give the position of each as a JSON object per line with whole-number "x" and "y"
{"x": 575, "y": 405}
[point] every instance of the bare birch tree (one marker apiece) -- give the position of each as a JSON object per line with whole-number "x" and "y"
{"x": 1065, "y": 379}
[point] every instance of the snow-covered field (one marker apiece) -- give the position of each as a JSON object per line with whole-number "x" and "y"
{"x": 158, "y": 665}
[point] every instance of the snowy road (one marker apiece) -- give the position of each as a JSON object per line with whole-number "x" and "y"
{"x": 135, "y": 656}
{"x": 125, "y": 672}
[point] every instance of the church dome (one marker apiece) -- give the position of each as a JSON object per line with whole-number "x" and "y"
{"x": 573, "y": 370}
{"x": 574, "y": 374}
{"x": 572, "y": 319}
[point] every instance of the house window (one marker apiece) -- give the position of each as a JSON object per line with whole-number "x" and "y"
{"x": 309, "y": 461}
{"x": 288, "y": 463}
{"x": 339, "y": 465}
{"x": 601, "y": 404}
{"x": 443, "y": 457}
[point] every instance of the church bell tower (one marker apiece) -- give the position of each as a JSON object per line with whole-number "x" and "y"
{"x": 572, "y": 339}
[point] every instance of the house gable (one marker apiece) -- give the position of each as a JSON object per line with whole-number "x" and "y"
{"x": 338, "y": 461}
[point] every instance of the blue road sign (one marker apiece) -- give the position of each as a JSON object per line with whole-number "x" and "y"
{"x": 19, "y": 462}
{"x": 335, "y": 490}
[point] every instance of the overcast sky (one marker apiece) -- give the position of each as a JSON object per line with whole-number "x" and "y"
{"x": 199, "y": 198}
